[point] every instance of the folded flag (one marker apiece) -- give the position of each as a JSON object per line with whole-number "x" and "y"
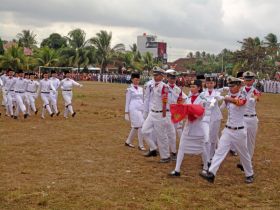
{"x": 182, "y": 111}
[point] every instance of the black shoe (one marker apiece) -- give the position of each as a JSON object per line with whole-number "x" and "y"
{"x": 165, "y": 160}
{"x": 74, "y": 113}
{"x": 36, "y": 112}
{"x": 209, "y": 164}
{"x": 129, "y": 145}
{"x": 240, "y": 166}
{"x": 151, "y": 153}
{"x": 15, "y": 117}
{"x": 52, "y": 114}
{"x": 249, "y": 179}
{"x": 12, "y": 116}
{"x": 210, "y": 177}
{"x": 57, "y": 114}
{"x": 174, "y": 174}
{"x": 233, "y": 153}
{"x": 173, "y": 156}
{"x": 25, "y": 116}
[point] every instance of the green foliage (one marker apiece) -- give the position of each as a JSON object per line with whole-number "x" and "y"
{"x": 1, "y": 47}
{"x": 54, "y": 41}
{"x": 13, "y": 58}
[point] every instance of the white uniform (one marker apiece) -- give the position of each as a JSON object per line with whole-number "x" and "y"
{"x": 11, "y": 99}
{"x": 134, "y": 105}
{"x": 212, "y": 98}
{"x": 46, "y": 87}
{"x": 194, "y": 136}
{"x": 66, "y": 86}
{"x": 156, "y": 122}
{"x": 233, "y": 135}
{"x": 250, "y": 118}
{"x": 174, "y": 94}
{"x": 19, "y": 87}
{"x": 4, "y": 95}
{"x": 54, "y": 95}
{"x": 32, "y": 95}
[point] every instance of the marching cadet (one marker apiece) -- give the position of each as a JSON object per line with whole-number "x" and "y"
{"x": 157, "y": 121}
{"x": 54, "y": 95}
{"x": 175, "y": 95}
{"x": 32, "y": 93}
{"x": 10, "y": 93}
{"x": 19, "y": 86}
{"x": 194, "y": 136}
{"x": 250, "y": 116}
{"x": 234, "y": 134}
{"x": 46, "y": 87}
{"x": 4, "y": 90}
{"x": 213, "y": 96}
{"x": 66, "y": 86}
{"x": 134, "y": 107}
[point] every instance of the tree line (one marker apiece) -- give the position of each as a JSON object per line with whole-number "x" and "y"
{"x": 74, "y": 50}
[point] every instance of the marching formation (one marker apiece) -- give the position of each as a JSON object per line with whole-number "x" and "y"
{"x": 161, "y": 112}
{"x": 20, "y": 93}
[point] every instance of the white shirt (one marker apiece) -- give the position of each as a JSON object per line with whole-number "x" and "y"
{"x": 157, "y": 92}
{"x": 9, "y": 83}
{"x": 251, "y": 102}
{"x": 55, "y": 82}
{"x": 67, "y": 84}
{"x": 32, "y": 86}
{"x": 148, "y": 94}
{"x": 134, "y": 99}
{"x": 173, "y": 94}
{"x": 46, "y": 86}
{"x": 235, "y": 113}
{"x": 20, "y": 85}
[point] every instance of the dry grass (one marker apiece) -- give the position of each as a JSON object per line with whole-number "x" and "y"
{"x": 81, "y": 163}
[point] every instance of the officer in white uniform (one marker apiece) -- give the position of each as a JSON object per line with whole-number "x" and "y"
{"x": 4, "y": 91}
{"x": 31, "y": 93}
{"x": 134, "y": 107}
{"x": 66, "y": 86}
{"x": 250, "y": 116}
{"x": 213, "y": 97}
{"x": 175, "y": 95}
{"x": 46, "y": 87}
{"x": 234, "y": 134}
{"x": 19, "y": 87}
{"x": 157, "y": 120}
{"x": 54, "y": 95}
{"x": 194, "y": 136}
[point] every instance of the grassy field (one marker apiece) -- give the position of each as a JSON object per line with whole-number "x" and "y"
{"x": 82, "y": 163}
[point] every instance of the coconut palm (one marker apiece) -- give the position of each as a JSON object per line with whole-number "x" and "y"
{"x": 102, "y": 42}
{"x": 27, "y": 39}
{"x": 148, "y": 61}
{"x": 13, "y": 58}
{"x": 46, "y": 57}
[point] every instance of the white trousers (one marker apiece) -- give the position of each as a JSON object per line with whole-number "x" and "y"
{"x": 237, "y": 139}
{"x": 31, "y": 97}
{"x": 67, "y": 97}
{"x": 157, "y": 124}
{"x": 53, "y": 101}
{"x": 132, "y": 135}
{"x": 20, "y": 98}
{"x": 171, "y": 134}
{"x": 10, "y": 103}
{"x": 252, "y": 128}
{"x": 214, "y": 129}
{"x": 46, "y": 103}
{"x": 4, "y": 95}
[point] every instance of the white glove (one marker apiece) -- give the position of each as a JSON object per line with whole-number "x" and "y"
{"x": 53, "y": 91}
{"x": 81, "y": 85}
{"x": 36, "y": 95}
{"x": 126, "y": 116}
{"x": 212, "y": 102}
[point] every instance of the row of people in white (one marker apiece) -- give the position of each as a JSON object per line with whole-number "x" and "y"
{"x": 22, "y": 93}
{"x": 271, "y": 86}
{"x": 200, "y": 136}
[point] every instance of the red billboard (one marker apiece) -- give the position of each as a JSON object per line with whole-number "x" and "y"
{"x": 161, "y": 49}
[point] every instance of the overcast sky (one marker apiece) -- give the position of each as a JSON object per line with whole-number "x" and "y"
{"x": 186, "y": 25}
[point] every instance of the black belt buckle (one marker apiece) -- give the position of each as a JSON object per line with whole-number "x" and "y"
{"x": 234, "y": 128}
{"x": 247, "y": 115}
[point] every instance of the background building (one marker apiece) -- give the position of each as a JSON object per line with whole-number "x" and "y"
{"x": 149, "y": 43}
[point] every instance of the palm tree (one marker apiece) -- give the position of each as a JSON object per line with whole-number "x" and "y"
{"x": 102, "y": 42}
{"x": 148, "y": 61}
{"x": 77, "y": 38}
{"x": 46, "y": 57}
{"x": 272, "y": 44}
{"x": 27, "y": 39}
{"x": 13, "y": 58}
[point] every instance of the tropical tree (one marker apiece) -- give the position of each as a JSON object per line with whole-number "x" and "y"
{"x": 46, "y": 57}
{"x": 1, "y": 47}
{"x": 102, "y": 42}
{"x": 13, "y": 58}
{"x": 27, "y": 39}
{"x": 54, "y": 41}
{"x": 272, "y": 45}
{"x": 148, "y": 61}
